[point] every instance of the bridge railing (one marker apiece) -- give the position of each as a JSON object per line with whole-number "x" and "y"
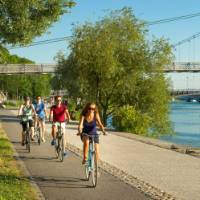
{"x": 51, "y": 68}
{"x": 183, "y": 67}
{"x": 185, "y": 91}
{"x": 27, "y": 68}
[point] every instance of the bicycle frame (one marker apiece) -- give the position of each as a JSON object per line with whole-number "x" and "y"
{"x": 37, "y": 130}
{"x": 27, "y": 135}
{"x": 91, "y": 167}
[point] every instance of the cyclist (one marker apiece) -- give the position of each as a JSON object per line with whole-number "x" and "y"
{"x": 26, "y": 110}
{"x": 88, "y": 124}
{"x": 58, "y": 113}
{"x": 41, "y": 114}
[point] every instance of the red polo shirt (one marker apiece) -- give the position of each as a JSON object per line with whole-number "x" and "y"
{"x": 58, "y": 113}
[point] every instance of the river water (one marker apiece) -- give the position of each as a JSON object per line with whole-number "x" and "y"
{"x": 185, "y": 117}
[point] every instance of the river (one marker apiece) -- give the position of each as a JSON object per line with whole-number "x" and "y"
{"x": 185, "y": 117}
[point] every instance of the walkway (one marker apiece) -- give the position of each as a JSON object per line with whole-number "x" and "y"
{"x": 64, "y": 181}
{"x": 175, "y": 173}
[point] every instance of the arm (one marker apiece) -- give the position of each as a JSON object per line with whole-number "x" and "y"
{"x": 51, "y": 115}
{"x": 100, "y": 124}
{"x": 67, "y": 115}
{"x": 80, "y": 126}
{"x": 20, "y": 110}
{"x": 45, "y": 111}
{"x": 33, "y": 109}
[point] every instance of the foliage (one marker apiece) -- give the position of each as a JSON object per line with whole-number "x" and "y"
{"x": 22, "y": 85}
{"x": 21, "y": 21}
{"x": 12, "y": 104}
{"x": 6, "y": 57}
{"x": 13, "y": 185}
{"x": 18, "y": 86}
{"x": 128, "y": 119}
{"x": 112, "y": 63}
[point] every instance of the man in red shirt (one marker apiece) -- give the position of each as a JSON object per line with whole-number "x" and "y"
{"x": 58, "y": 113}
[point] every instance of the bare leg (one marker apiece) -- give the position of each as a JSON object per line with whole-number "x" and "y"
{"x": 42, "y": 125}
{"x": 85, "y": 147}
{"x": 32, "y": 133}
{"x": 53, "y": 131}
{"x": 97, "y": 150}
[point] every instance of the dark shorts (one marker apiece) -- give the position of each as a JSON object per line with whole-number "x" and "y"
{"x": 24, "y": 124}
{"x": 96, "y": 138}
{"x": 41, "y": 118}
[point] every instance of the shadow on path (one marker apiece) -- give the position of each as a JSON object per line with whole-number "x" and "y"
{"x": 61, "y": 182}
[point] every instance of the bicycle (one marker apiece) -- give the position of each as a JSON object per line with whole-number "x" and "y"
{"x": 27, "y": 133}
{"x": 91, "y": 166}
{"x": 37, "y": 132}
{"x": 59, "y": 147}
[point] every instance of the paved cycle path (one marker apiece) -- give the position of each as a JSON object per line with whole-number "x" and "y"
{"x": 64, "y": 181}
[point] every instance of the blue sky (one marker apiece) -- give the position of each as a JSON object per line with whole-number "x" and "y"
{"x": 149, "y": 10}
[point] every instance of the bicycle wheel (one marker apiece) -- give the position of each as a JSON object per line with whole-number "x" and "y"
{"x": 61, "y": 149}
{"x": 88, "y": 164}
{"x": 57, "y": 147}
{"x": 39, "y": 135}
{"x": 94, "y": 169}
{"x": 28, "y": 142}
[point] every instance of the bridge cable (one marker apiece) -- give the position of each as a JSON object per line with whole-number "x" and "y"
{"x": 186, "y": 40}
{"x": 172, "y": 19}
{"x": 183, "y": 17}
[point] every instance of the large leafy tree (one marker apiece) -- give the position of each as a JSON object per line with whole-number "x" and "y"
{"x": 112, "y": 63}
{"x": 23, "y": 20}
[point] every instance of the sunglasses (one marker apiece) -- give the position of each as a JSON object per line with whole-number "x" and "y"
{"x": 91, "y": 108}
{"x": 59, "y": 99}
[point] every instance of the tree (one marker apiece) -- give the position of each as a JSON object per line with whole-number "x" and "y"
{"x": 21, "y": 21}
{"x": 112, "y": 63}
{"x": 22, "y": 85}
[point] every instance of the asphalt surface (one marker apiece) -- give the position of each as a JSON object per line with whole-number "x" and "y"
{"x": 64, "y": 181}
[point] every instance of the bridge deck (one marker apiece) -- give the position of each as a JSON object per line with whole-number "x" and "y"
{"x": 51, "y": 68}
{"x": 27, "y": 68}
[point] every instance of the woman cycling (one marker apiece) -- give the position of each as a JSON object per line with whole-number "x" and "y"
{"x": 88, "y": 125}
{"x": 26, "y": 111}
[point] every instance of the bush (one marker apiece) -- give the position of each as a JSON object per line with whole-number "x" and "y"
{"x": 12, "y": 103}
{"x": 128, "y": 119}
{"x": 74, "y": 110}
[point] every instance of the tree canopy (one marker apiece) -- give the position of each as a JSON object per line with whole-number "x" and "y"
{"x": 21, "y": 21}
{"x": 112, "y": 63}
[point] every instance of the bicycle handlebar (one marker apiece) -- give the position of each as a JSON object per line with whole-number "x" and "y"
{"x": 91, "y": 135}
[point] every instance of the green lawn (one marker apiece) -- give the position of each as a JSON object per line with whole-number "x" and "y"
{"x": 13, "y": 185}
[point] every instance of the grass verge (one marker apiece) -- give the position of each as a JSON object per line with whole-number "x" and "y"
{"x": 13, "y": 185}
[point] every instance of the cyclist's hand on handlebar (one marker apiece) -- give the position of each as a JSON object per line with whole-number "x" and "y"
{"x": 104, "y": 133}
{"x": 78, "y": 134}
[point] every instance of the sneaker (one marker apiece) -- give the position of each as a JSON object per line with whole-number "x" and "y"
{"x": 32, "y": 139}
{"x": 84, "y": 161}
{"x": 23, "y": 143}
{"x": 53, "y": 142}
{"x": 43, "y": 140}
